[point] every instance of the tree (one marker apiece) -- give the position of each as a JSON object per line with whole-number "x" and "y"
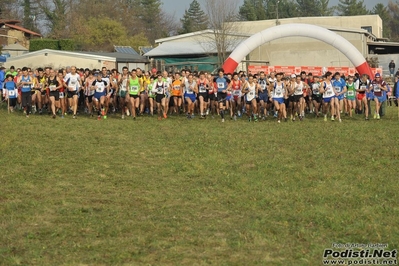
{"x": 194, "y": 19}
{"x": 352, "y": 8}
{"x": 101, "y": 34}
{"x": 222, "y": 14}
{"x": 382, "y": 11}
{"x": 309, "y": 8}
{"x": 58, "y": 16}
{"x": 325, "y": 10}
{"x": 267, "y": 9}
{"x": 10, "y": 9}
{"x": 393, "y": 9}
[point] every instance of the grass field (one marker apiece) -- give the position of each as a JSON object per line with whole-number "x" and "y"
{"x": 178, "y": 192}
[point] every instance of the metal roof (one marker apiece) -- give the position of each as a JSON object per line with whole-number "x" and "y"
{"x": 125, "y": 50}
{"x": 189, "y": 48}
{"x": 145, "y": 49}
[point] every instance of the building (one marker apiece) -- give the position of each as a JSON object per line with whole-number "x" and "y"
{"x": 195, "y": 51}
{"x": 363, "y": 32}
{"x": 11, "y": 33}
{"x": 92, "y": 60}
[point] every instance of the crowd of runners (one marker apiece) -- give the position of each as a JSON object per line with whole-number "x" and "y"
{"x": 134, "y": 93}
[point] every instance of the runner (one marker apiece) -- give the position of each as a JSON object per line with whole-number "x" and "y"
{"x": 134, "y": 87}
{"x": 160, "y": 88}
{"x": 203, "y": 88}
{"x": 378, "y": 86}
{"x": 351, "y": 95}
{"x": 89, "y": 92}
{"x": 211, "y": 96}
{"x": 168, "y": 83}
{"x": 177, "y": 93}
{"x": 316, "y": 97}
{"x": 263, "y": 94}
{"x": 190, "y": 88}
{"x": 54, "y": 84}
{"x": 151, "y": 95}
{"x": 361, "y": 97}
{"x": 221, "y": 85}
{"x": 62, "y": 93}
{"x": 236, "y": 87}
{"x": 299, "y": 102}
{"x": 339, "y": 85}
{"x": 26, "y": 82}
{"x": 73, "y": 83}
{"x": 101, "y": 88}
{"x": 10, "y": 91}
{"x": 278, "y": 93}
{"x": 251, "y": 89}
{"x": 122, "y": 90}
{"x": 328, "y": 96}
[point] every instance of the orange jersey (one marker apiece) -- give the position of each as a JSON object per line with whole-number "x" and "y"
{"x": 176, "y": 88}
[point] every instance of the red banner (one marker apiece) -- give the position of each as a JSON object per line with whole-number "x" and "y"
{"x": 316, "y": 71}
{"x": 257, "y": 69}
{"x": 287, "y": 70}
{"x": 341, "y": 70}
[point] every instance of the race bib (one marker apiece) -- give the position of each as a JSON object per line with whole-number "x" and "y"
{"x": 11, "y": 93}
{"x": 134, "y": 88}
{"x": 329, "y": 93}
{"x": 61, "y": 95}
{"x": 351, "y": 93}
{"x": 377, "y": 88}
{"x": 176, "y": 88}
{"x": 363, "y": 87}
{"x": 337, "y": 89}
{"x": 236, "y": 92}
{"x": 189, "y": 91}
{"x": 279, "y": 92}
{"x": 220, "y": 85}
{"x": 52, "y": 87}
{"x": 202, "y": 89}
{"x": 159, "y": 90}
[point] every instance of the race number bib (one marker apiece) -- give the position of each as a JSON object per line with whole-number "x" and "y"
{"x": 61, "y": 95}
{"x": 159, "y": 90}
{"x": 11, "y": 93}
{"x": 53, "y": 87}
{"x": 351, "y": 93}
{"x": 363, "y": 87}
{"x": 189, "y": 91}
{"x": 329, "y": 93}
{"x": 377, "y": 88}
{"x": 236, "y": 92}
{"x": 279, "y": 92}
{"x": 134, "y": 89}
{"x": 220, "y": 85}
{"x": 202, "y": 89}
{"x": 337, "y": 89}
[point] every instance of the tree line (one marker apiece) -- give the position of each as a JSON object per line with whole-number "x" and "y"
{"x": 96, "y": 25}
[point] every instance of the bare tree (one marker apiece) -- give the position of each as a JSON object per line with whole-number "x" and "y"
{"x": 221, "y": 15}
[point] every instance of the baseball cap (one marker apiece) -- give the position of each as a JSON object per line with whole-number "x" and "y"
{"x": 377, "y": 75}
{"x": 293, "y": 76}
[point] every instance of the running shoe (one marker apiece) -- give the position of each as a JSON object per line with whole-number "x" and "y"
{"x": 332, "y": 118}
{"x": 222, "y": 120}
{"x": 378, "y": 116}
{"x": 375, "y": 115}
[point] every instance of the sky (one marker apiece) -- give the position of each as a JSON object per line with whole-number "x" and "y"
{"x": 177, "y": 7}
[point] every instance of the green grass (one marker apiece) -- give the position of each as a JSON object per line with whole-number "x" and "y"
{"x": 178, "y": 192}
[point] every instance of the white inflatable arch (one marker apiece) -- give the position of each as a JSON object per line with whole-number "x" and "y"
{"x": 303, "y": 30}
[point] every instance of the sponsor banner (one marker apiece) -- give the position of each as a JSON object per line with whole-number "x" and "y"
{"x": 316, "y": 71}
{"x": 257, "y": 69}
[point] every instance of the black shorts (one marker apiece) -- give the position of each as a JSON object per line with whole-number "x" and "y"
{"x": 287, "y": 101}
{"x": 13, "y": 102}
{"x": 134, "y": 96}
{"x": 204, "y": 95}
{"x": 297, "y": 98}
{"x": 317, "y": 98}
{"x": 222, "y": 97}
{"x": 72, "y": 93}
{"x": 55, "y": 94}
{"x": 211, "y": 96}
{"x": 89, "y": 98}
{"x": 159, "y": 98}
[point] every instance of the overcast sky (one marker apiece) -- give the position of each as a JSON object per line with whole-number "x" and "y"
{"x": 177, "y": 7}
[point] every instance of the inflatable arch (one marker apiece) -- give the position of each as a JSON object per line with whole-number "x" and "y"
{"x": 303, "y": 30}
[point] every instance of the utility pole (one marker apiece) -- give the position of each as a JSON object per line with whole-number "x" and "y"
{"x": 277, "y": 22}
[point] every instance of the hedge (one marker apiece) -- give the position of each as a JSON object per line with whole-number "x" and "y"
{"x": 39, "y": 44}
